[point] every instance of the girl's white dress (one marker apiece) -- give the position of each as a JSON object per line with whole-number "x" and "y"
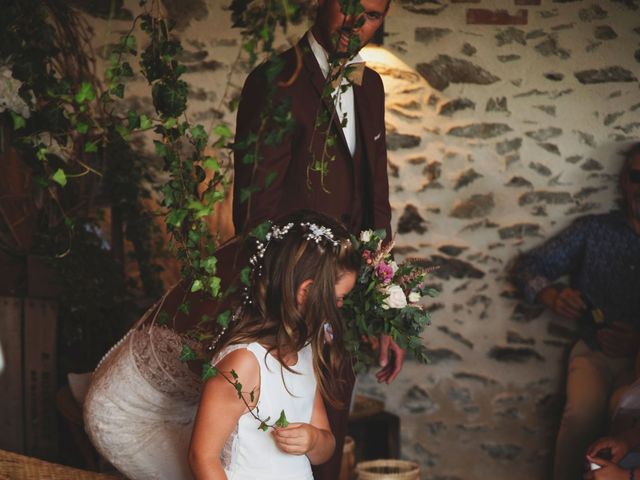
{"x": 142, "y": 401}
{"x": 251, "y": 453}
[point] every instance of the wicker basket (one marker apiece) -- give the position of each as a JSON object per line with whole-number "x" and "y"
{"x": 19, "y": 467}
{"x": 388, "y": 470}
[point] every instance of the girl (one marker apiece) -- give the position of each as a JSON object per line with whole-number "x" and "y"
{"x": 277, "y": 350}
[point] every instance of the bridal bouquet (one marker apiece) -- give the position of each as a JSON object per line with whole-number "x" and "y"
{"x": 385, "y": 300}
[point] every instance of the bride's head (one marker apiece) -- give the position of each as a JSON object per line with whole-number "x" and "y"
{"x": 300, "y": 275}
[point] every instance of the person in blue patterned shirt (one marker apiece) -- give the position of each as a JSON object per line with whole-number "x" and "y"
{"x": 600, "y": 255}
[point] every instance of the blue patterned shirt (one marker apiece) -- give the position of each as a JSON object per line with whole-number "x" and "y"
{"x": 601, "y": 256}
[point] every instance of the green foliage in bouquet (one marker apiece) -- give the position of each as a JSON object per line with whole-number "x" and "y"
{"x": 386, "y": 300}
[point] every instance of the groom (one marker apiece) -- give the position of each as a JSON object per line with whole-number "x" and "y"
{"x": 355, "y": 189}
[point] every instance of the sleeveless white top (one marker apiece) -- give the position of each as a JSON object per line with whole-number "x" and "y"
{"x": 251, "y": 453}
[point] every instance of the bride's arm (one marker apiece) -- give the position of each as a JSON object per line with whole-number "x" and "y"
{"x": 219, "y": 412}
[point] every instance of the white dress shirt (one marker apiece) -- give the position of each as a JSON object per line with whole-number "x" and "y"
{"x": 344, "y": 101}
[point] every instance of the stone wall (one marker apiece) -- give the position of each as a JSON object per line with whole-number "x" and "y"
{"x": 503, "y": 127}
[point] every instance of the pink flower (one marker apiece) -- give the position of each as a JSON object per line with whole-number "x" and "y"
{"x": 384, "y": 272}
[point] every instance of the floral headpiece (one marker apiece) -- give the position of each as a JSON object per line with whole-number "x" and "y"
{"x": 312, "y": 232}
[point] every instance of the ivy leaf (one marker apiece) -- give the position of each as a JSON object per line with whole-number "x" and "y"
{"x": 170, "y": 123}
{"x": 184, "y": 308}
{"x": 118, "y": 90}
{"x": 269, "y": 178}
{"x": 212, "y": 164}
{"x": 208, "y": 371}
{"x": 263, "y": 426}
{"x": 82, "y": 127}
{"x": 163, "y": 318}
{"x": 234, "y": 374}
{"x": 223, "y": 319}
{"x": 59, "y": 177}
{"x": 282, "y": 422}
{"x": 187, "y": 354}
{"x": 85, "y": 93}
{"x": 214, "y": 286}
{"x": 161, "y": 148}
{"x": 210, "y": 264}
{"x": 222, "y": 131}
{"x": 244, "y": 275}
{"x": 91, "y": 147}
{"x": 196, "y": 286}
{"x": 18, "y": 121}
{"x": 145, "y": 123}
{"x": 260, "y": 231}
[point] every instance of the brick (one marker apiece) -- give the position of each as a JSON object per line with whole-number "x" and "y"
{"x": 483, "y": 16}
{"x": 527, "y": 2}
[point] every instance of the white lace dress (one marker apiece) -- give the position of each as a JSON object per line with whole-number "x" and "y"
{"x": 141, "y": 404}
{"x": 250, "y": 453}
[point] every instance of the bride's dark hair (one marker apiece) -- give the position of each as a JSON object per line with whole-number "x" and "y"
{"x": 272, "y": 315}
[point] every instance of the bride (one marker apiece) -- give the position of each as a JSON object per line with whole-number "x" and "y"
{"x": 142, "y": 399}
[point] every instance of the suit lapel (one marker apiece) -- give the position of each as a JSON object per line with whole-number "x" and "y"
{"x": 317, "y": 80}
{"x": 363, "y": 115}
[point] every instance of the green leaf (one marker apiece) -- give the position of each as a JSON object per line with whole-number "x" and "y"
{"x": 18, "y": 121}
{"x": 187, "y": 354}
{"x": 260, "y": 231}
{"x": 223, "y": 319}
{"x": 214, "y": 286}
{"x": 263, "y": 426}
{"x": 118, "y": 90}
{"x": 244, "y": 275}
{"x": 170, "y": 123}
{"x": 41, "y": 154}
{"x": 184, "y": 308}
{"x": 208, "y": 371}
{"x": 212, "y": 164}
{"x": 196, "y": 286}
{"x": 85, "y": 93}
{"x": 198, "y": 132}
{"x": 91, "y": 147}
{"x": 82, "y": 127}
{"x": 163, "y": 318}
{"x": 161, "y": 148}
{"x": 210, "y": 264}
{"x": 222, "y": 131}
{"x": 145, "y": 123}
{"x": 59, "y": 177}
{"x": 269, "y": 178}
{"x": 234, "y": 374}
{"x": 282, "y": 421}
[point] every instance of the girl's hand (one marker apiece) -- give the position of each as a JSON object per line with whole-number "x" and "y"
{"x": 296, "y": 439}
{"x": 608, "y": 470}
{"x": 617, "y": 446}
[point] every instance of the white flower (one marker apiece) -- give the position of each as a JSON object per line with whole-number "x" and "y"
{"x": 414, "y": 297}
{"x": 365, "y": 236}
{"x": 395, "y": 297}
{"x": 394, "y": 266}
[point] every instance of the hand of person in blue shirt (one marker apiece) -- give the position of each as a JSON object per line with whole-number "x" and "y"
{"x": 619, "y": 340}
{"x": 566, "y": 302}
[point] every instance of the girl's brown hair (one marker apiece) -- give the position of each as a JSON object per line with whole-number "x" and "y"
{"x": 271, "y": 314}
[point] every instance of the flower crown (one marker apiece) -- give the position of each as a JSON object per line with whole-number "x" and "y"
{"x": 314, "y": 233}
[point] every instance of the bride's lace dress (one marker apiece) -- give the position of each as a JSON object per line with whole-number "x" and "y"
{"x": 141, "y": 404}
{"x": 142, "y": 401}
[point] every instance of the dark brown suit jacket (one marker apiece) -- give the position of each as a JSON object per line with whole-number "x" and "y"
{"x": 289, "y": 190}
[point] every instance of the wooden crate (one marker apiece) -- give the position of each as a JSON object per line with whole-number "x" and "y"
{"x": 28, "y": 416}
{"x": 40, "y": 383}
{"x": 11, "y": 391}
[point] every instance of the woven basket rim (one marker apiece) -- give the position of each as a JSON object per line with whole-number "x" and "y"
{"x": 412, "y": 469}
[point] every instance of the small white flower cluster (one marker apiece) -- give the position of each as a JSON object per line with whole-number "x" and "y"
{"x": 318, "y": 232}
